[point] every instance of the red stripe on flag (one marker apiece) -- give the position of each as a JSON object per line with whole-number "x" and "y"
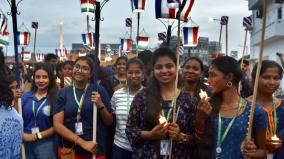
{"x": 143, "y": 4}
{"x": 88, "y": 1}
{"x": 26, "y": 38}
{"x": 188, "y": 10}
{"x": 142, "y": 38}
{"x": 90, "y": 39}
{"x": 195, "y": 33}
{"x": 172, "y": 13}
{"x": 128, "y": 44}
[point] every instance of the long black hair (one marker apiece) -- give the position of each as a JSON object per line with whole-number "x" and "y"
{"x": 200, "y": 84}
{"x": 264, "y": 66}
{"x": 6, "y": 94}
{"x": 153, "y": 95}
{"x": 52, "y": 89}
{"x": 227, "y": 65}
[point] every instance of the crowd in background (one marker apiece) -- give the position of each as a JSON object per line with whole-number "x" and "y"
{"x": 135, "y": 101}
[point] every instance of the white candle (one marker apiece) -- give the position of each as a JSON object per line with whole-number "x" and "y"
{"x": 203, "y": 94}
{"x": 162, "y": 119}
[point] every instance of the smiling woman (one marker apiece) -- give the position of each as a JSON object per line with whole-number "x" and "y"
{"x": 147, "y": 136}
{"x": 37, "y": 105}
{"x": 271, "y": 74}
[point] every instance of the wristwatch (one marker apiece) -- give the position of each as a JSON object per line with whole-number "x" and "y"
{"x": 39, "y": 136}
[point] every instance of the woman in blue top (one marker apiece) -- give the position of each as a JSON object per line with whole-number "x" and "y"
{"x": 37, "y": 104}
{"x": 73, "y": 113}
{"x": 271, "y": 74}
{"x": 221, "y": 125}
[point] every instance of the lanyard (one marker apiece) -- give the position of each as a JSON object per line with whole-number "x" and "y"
{"x": 128, "y": 102}
{"x": 219, "y": 139}
{"x": 170, "y": 111}
{"x": 79, "y": 104}
{"x": 35, "y": 112}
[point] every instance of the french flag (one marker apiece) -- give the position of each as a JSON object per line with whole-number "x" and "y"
{"x": 138, "y": 5}
{"x": 61, "y": 52}
{"x": 190, "y": 36}
{"x": 125, "y": 45}
{"x": 164, "y": 12}
{"x": 23, "y": 38}
{"x": 89, "y": 39}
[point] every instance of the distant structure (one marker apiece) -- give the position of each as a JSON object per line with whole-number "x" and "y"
{"x": 274, "y": 35}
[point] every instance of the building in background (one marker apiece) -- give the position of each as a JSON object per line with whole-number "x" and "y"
{"x": 274, "y": 34}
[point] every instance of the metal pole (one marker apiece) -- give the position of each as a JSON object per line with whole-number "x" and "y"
{"x": 34, "y": 45}
{"x": 138, "y": 26}
{"x": 88, "y": 26}
{"x": 169, "y": 34}
{"x": 227, "y": 40}
{"x": 220, "y": 36}
{"x": 15, "y": 30}
{"x": 97, "y": 29}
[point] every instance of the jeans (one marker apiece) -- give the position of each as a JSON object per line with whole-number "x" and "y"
{"x": 119, "y": 153}
{"x": 42, "y": 149}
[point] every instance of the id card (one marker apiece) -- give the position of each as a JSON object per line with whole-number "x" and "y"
{"x": 35, "y": 130}
{"x": 165, "y": 147}
{"x": 269, "y": 155}
{"x": 79, "y": 128}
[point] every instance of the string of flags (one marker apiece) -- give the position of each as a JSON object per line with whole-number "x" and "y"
{"x": 128, "y": 22}
{"x": 4, "y": 35}
{"x": 39, "y": 57}
{"x": 61, "y": 52}
{"x": 162, "y": 36}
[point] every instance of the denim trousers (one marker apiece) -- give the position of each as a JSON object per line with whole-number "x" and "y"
{"x": 119, "y": 153}
{"x": 41, "y": 149}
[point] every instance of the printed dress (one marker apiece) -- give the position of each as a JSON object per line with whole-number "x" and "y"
{"x": 150, "y": 149}
{"x": 231, "y": 146}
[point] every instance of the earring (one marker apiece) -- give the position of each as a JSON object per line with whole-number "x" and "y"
{"x": 229, "y": 84}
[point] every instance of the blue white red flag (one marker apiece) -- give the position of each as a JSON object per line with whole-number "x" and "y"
{"x": 89, "y": 39}
{"x": 23, "y": 38}
{"x": 3, "y": 24}
{"x": 247, "y": 22}
{"x": 125, "y": 45}
{"x": 164, "y": 12}
{"x": 190, "y": 36}
{"x": 61, "y": 52}
{"x": 138, "y": 5}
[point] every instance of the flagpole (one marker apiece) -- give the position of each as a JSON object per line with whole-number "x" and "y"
{"x": 249, "y": 133}
{"x": 138, "y": 25}
{"x": 220, "y": 36}
{"x": 34, "y": 46}
{"x": 177, "y": 73}
{"x": 227, "y": 39}
{"x": 242, "y": 58}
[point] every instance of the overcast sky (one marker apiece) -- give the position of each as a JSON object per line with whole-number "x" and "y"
{"x": 49, "y": 13}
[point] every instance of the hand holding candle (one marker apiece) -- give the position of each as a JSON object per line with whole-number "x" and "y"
{"x": 162, "y": 120}
{"x": 273, "y": 143}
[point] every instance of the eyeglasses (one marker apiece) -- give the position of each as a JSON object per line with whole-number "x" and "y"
{"x": 84, "y": 69}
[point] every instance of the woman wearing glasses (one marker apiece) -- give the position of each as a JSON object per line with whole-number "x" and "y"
{"x": 73, "y": 114}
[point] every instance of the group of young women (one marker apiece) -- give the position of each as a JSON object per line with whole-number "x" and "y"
{"x": 59, "y": 123}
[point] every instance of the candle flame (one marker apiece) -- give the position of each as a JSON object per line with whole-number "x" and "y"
{"x": 203, "y": 94}
{"x": 162, "y": 119}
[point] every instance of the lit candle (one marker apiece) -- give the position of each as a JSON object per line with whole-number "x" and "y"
{"x": 203, "y": 94}
{"x": 275, "y": 138}
{"x": 162, "y": 120}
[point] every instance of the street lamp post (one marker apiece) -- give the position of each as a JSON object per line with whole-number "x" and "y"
{"x": 98, "y": 18}
{"x": 221, "y": 29}
{"x": 14, "y": 13}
